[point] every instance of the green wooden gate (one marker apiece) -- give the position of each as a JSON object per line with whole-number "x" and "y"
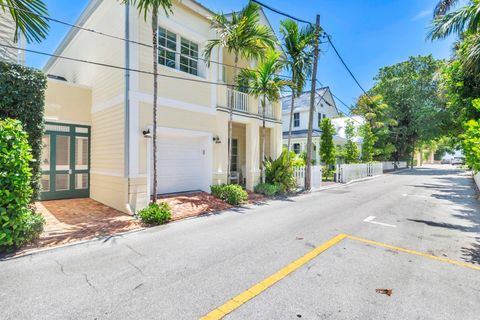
{"x": 65, "y": 161}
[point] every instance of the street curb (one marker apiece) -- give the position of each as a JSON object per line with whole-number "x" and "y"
{"x": 33, "y": 251}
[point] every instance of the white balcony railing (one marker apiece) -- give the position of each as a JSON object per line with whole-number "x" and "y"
{"x": 268, "y": 109}
{"x": 240, "y": 100}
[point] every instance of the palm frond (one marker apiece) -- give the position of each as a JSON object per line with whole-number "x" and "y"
{"x": 29, "y": 18}
{"x": 464, "y": 19}
{"x": 147, "y": 6}
{"x": 443, "y": 6}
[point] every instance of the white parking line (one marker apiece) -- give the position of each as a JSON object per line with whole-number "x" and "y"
{"x": 371, "y": 218}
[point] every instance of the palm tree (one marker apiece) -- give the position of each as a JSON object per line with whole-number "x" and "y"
{"x": 465, "y": 22}
{"x": 241, "y": 34}
{"x": 264, "y": 83}
{"x": 298, "y": 47}
{"x": 30, "y": 17}
{"x": 443, "y": 6}
{"x": 464, "y": 19}
{"x": 145, "y": 7}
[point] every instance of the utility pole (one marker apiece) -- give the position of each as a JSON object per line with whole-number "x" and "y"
{"x": 308, "y": 182}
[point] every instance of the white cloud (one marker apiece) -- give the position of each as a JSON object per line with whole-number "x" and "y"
{"x": 423, "y": 14}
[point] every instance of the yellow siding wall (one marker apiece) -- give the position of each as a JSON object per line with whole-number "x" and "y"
{"x": 66, "y": 102}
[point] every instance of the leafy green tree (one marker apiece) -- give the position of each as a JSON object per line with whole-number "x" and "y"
{"x": 351, "y": 148}
{"x": 241, "y": 34}
{"x": 264, "y": 83}
{"x": 379, "y": 116}
{"x": 30, "y": 17}
{"x": 368, "y": 143}
{"x": 298, "y": 47}
{"x": 327, "y": 148}
{"x": 471, "y": 141}
{"x": 410, "y": 89}
{"x": 146, "y": 7}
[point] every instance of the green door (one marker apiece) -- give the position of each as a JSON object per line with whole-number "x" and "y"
{"x": 65, "y": 162}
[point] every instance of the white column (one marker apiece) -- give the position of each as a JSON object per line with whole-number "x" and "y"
{"x": 252, "y": 154}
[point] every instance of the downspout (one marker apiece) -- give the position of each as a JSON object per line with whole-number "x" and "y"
{"x": 126, "y": 156}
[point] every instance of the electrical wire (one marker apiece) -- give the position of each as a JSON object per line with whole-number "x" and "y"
{"x": 282, "y": 13}
{"x": 120, "y": 38}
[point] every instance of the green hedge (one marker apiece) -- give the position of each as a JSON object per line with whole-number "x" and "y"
{"x": 22, "y": 97}
{"x": 19, "y": 224}
{"x": 231, "y": 193}
{"x": 156, "y": 213}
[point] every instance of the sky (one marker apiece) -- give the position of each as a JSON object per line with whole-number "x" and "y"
{"x": 369, "y": 34}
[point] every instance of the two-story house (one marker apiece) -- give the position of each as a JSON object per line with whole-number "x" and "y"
{"x": 98, "y": 140}
{"x": 325, "y": 107}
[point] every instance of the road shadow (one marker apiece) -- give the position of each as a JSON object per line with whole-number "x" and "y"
{"x": 457, "y": 187}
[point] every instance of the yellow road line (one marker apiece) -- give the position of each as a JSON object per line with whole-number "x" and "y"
{"x": 252, "y": 292}
{"x": 458, "y": 263}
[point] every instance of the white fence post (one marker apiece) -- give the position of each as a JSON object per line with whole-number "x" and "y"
{"x": 354, "y": 171}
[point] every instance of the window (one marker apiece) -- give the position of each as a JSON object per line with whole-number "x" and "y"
{"x": 319, "y": 119}
{"x": 183, "y": 56}
{"x": 296, "y": 119}
{"x": 296, "y": 148}
{"x": 167, "y": 47}
{"x": 234, "y": 160}
{"x": 189, "y": 57}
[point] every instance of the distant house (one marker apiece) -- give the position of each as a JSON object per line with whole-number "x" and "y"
{"x": 325, "y": 107}
{"x": 7, "y": 35}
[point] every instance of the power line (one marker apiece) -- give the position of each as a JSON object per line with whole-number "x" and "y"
{"x": 346, "y": 66}
{"x": 282, "y": 13}
{"x": 120, "y": 38}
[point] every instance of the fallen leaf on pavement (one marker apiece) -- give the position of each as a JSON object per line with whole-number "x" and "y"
{"x": 388, "y": 292}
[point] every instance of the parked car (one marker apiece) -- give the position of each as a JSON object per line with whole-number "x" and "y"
{"x": 458, "y": 160}
{"x": 445, "y": 161}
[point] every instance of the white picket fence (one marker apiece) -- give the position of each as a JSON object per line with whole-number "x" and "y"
{"x": 349, "y": 172}
{"x": 390, "y": 165}
{"x": 316, "y": 176}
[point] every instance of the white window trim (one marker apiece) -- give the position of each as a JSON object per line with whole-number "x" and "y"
{"x": 201, "y": 66}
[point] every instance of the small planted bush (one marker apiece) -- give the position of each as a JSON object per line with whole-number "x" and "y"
{"x": 280, "y": 172}
{"x": 156, "y": 213}
{"x": 19, "y": 224}
{"x": 231, "y": 193}
{"x": 268, "y": 189}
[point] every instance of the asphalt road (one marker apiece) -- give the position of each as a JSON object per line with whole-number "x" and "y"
{"x": 186, "y": 269}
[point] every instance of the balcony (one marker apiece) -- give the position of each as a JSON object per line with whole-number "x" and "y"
{"x": 269, "y": 112}
{"x": 240, "y": 100}
{"x": 245, "y": 103}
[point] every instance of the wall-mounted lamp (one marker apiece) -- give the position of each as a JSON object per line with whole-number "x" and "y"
{"x": 216, "y": 139}
{"x": 147, "y": 133}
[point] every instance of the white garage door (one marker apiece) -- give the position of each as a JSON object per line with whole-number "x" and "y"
{"x": 183, "y": 163}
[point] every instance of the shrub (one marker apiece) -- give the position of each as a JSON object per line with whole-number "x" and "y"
{"x": 18, "y": 223}
{"x": 231, "y": 193}
{"x": 267, "y": 189}
{"x": 280, "y": 172}
{"x": 22, "y": 97}
{"x": 156, "y": 213}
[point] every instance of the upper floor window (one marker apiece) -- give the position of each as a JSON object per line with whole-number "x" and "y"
{"x": 167, "y": 47}
{"x": 177, "y": 52}
{"x": 189, "y": 57}
{"x": 319, "y": 119}
{"x": 296, "y": 119}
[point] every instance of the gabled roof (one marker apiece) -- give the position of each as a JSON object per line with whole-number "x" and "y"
{"x": 303, "y": 101}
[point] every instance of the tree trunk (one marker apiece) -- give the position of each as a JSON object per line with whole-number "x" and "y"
{"x": 292, "y": 107}
{"x": 413, "y": 155}
{"x": 262, "y": 153}
{"x": 155, "y": 86}
{"x": 230, "y": 120}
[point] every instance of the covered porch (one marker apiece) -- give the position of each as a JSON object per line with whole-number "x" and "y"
{"x": 246, "y": 151}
